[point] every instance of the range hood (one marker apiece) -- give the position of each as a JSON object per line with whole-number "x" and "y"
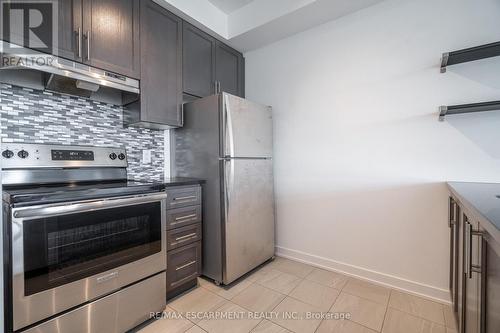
{"x": 64, "y": 76}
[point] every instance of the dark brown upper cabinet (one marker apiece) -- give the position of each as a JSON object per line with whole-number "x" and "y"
{"x": 69, "y": 20}
{"x": 101, "y": 33}
{"x": 111, "y": 35}
{"x": 198, "y": 52}
{"x": 229, "y": 69}
{"x": 210, "y": 66}
{"x": 160, "y": 104}
{"x": 70, "y": 30}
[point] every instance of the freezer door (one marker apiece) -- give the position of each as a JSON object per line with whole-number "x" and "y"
{"x": 247, "y": 128}
{"x": 249, "y": 215}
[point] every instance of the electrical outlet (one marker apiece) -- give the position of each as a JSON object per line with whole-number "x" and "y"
{"x": 146, "y": 156}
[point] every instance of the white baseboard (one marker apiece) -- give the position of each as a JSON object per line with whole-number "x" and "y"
{"x": 413, "y": 287}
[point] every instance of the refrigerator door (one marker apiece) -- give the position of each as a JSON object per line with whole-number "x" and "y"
{"x": 249, "y": 215}
{"x": 247, "y": 128}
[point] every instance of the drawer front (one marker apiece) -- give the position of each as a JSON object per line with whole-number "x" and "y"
{"x": 180, "y": 217}
{"x": 128, "y": 307}
{"x": 182, "y": 236}
{"x": 183, "y": 265}
{"x": 183, "y": 196}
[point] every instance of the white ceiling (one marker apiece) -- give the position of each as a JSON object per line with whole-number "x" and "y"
{"x": 229, "y": 6}
{"x": 250, "y": 24}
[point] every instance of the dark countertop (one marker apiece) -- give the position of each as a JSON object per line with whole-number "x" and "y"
{"x": 481, "y": 201}
{"x": 179, "y": 181}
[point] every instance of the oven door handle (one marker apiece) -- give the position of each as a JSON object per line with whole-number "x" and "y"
{"x": 83, "y": 206}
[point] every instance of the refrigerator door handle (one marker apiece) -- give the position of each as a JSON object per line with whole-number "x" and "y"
{"x": 229, "y": 136}
{"x": 228, "y": 185}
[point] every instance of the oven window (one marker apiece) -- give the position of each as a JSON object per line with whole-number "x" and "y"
{"x": 62, "y": 249}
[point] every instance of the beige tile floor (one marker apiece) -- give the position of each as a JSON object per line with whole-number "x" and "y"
{"x": 288, "y": 292}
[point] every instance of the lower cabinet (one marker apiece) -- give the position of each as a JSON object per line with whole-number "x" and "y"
{"x": 491, "y": 290}
{"x": 454, "y": 226}
{"x": 183, "y": 266}
{"x": 472, "y": 276}
{"x": 184, "y": 237}
{"x": 474, "y": 273}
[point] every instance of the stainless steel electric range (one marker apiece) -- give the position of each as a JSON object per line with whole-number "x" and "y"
{"x": 84, "y": 248}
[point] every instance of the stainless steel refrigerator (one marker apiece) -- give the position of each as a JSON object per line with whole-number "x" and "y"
{"x": 228, "y": 141}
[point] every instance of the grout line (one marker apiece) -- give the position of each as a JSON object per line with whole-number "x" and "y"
{"x": 386, "y": 310}
{"x": 418, "y": 315}
{"x": 260, "y": 321}
{"x": 278, "y": 303}
{"x": 199, "y": 328}
{"x": 283, "y": 327}
{"x": 296, "y": 286}
{"x": 367, "y": 299}
{"x": 386, "y": 307}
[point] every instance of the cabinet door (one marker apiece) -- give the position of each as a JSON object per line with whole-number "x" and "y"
{"x": 228, "y": 69}
{"x": 454, "y": 213}
{"x": 491, "y": 290}
{"x": 461, "y": 271}
{"x": 198, "y": 62}
{"x": 184, "y": 265}
{"x": 473, "y": 247}
{"x": 161, "y": 76}
{"x": 69, "y": 22}
{"x": 70, "y": 41}
{"x": 111, "y": 35}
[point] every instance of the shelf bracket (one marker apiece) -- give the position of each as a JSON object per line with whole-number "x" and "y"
{"x": 444, "y": 61}
{"x": 443, "y": 110}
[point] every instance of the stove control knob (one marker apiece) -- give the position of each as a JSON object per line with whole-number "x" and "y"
{"x": 23, "y": 154}
{"x": 112, "y": 156}
{"x": 121, "y": 156}
{"x": 7, "y": 153}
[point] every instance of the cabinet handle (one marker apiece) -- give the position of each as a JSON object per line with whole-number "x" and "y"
{"x": 182, "y": 114}
{"x": 472, "y": 268}
{"x": 180, "y": 218}
{"x": 79, "y": 42}
{"x": 87, "y": 36}
{"x": 185, "y": 265}
{"x": 185, "y": 198}
{"x": 185, "y": 236}
{"x": 453, "y": 213}
{"x": 217, "y": 87}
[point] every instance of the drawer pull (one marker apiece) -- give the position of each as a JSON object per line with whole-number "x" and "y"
{"x": 186, "y": 236}
{"x": 189, "y": 277}
{"x": 180, "y": 218}
{"x": 185, "y": 198}
{"x": 185, "y": 265}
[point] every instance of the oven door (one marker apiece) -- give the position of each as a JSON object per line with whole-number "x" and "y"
{"x": 67, "y": 254}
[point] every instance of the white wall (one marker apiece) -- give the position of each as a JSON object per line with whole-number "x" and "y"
{"x": 360, "y": 157}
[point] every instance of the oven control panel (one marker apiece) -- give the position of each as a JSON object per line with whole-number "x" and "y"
{"x": 72, "y": 155}
{"x": 25, "y": 155}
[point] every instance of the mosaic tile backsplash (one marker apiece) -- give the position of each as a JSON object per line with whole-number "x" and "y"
{"x": 35, "y": 116}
